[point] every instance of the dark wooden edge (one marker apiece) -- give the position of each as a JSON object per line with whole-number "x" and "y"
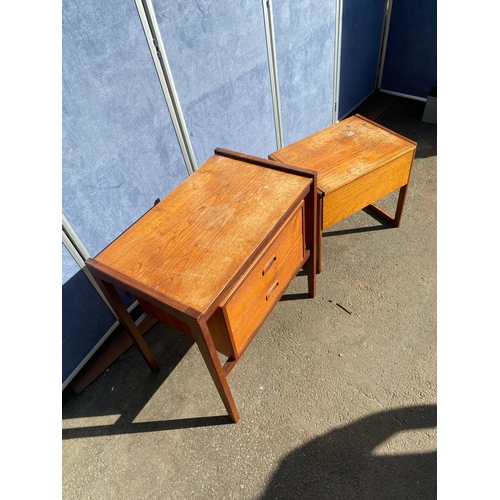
{"x": 236, "y": 356}
{"x": 361, "y": 117}
{"x": 262, "y": 162}
{"x": 229, "y": 366}
{"x": 319, "y": 235}
{"x": 105, "y": 273}
{"x": 315, "y": 208}
{"x": 305, "y": 195}
{"x": 145, "y": 322}
{"x": 312, "y": 235}
{"x": 202, "y": 336}
{"x": 107, "y": 279}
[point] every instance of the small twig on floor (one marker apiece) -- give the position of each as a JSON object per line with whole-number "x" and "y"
{"x": 342, "y": 307}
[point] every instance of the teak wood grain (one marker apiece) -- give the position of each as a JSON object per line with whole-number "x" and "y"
{"x": 344, "y": 152}
{"x": 191, "y": 244}
{"x": 372, "y": 186}
{"x": 357, "y": 162}
{"x": 253, "y": 299}
{"x": 215, "y": 256}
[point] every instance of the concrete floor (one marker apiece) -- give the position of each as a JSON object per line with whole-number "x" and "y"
{"x": 333, "y": 404}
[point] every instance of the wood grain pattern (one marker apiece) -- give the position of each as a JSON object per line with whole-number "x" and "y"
{"x": 244, "y": 307}
{"x": 245, "y": 326}
{"x": 357, "y": 162}
{"x": 253, "y": 300}
{"x": 345, "y": 151}
{"x": 192, "y": 244}
{"x": 216, "y": 255}
{"x": 368, "y": 188}
{"x": 261, "y": 274}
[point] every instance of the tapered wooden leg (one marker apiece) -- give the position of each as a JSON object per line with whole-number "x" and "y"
{"x": 127, "y": 322}
{"x": 206, "y": 345}
{"x": 396, "y": 220}
{"x": 401, "y": 204}
{"x": 319, "y": 244}
{"x": 311, "y": 236}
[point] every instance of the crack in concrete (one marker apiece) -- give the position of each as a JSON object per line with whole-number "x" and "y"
{"x": 361, "y": 392}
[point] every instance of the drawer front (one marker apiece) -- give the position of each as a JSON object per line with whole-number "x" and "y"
{"x": 367, "y": 189}
{"x": 267, "y": 298}
{"x": 256, "y": 292}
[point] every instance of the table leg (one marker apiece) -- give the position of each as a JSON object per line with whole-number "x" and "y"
{"x": 396, "y": 220}
{"x": 205, "y": 343}
{"x": 127, "y": 322}
{"x": 319, "y": 244}
{"x": 312, "y": 237}
{"x": 401, "y": 204}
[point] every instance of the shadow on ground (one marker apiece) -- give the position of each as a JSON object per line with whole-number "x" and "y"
{"x": 341, "y": 465}
{"x": 125, "y": 390}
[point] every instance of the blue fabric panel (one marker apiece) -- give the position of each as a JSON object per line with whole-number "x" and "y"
{"x": 305, "y": 44}
{"x": 362, "y": 27}
{"x": 85, "y": 316}
{"x": 218, "y": 57}
{"x": 120, "y": 152}
{"x": 410, "y": 65}
{"x": 69, "y": 265}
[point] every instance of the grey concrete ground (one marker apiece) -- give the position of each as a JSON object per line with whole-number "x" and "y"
{"x": 334, "y": 404}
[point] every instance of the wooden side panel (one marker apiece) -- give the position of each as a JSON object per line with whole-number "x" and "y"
{"x": 220, "y": 334}
{"x": 164, "y": 316}
{"x": 341, "y": 203}
{"x": 216, "y": 325}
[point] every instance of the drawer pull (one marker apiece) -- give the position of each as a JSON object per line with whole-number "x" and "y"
{"x": 268, "y": 266}
{"x": 273, "y": 289}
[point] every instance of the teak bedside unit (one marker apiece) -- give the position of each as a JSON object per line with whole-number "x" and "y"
{"x": 358, "y": 162}
{"x": 214, "y": 257}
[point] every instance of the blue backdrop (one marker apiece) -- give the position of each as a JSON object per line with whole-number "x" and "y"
{"x": 305, "y": 34}
{"x": 218, "y": 58}
{"x": 411, "y": 57}
{"x": 120, "y": 152}
{"x": 362, "y": 29}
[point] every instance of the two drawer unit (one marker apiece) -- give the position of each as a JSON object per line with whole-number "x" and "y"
{"x": 245, "y": 307}
{"x": 214, "y": 257}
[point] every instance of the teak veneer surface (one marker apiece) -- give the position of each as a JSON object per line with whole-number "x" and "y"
{"x": 193, "y": 243}
{"x": 345, "y": 151}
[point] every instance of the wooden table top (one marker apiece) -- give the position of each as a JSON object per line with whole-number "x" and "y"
{"x": 193, "y": 244}
{"x": 345, "y": 151}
